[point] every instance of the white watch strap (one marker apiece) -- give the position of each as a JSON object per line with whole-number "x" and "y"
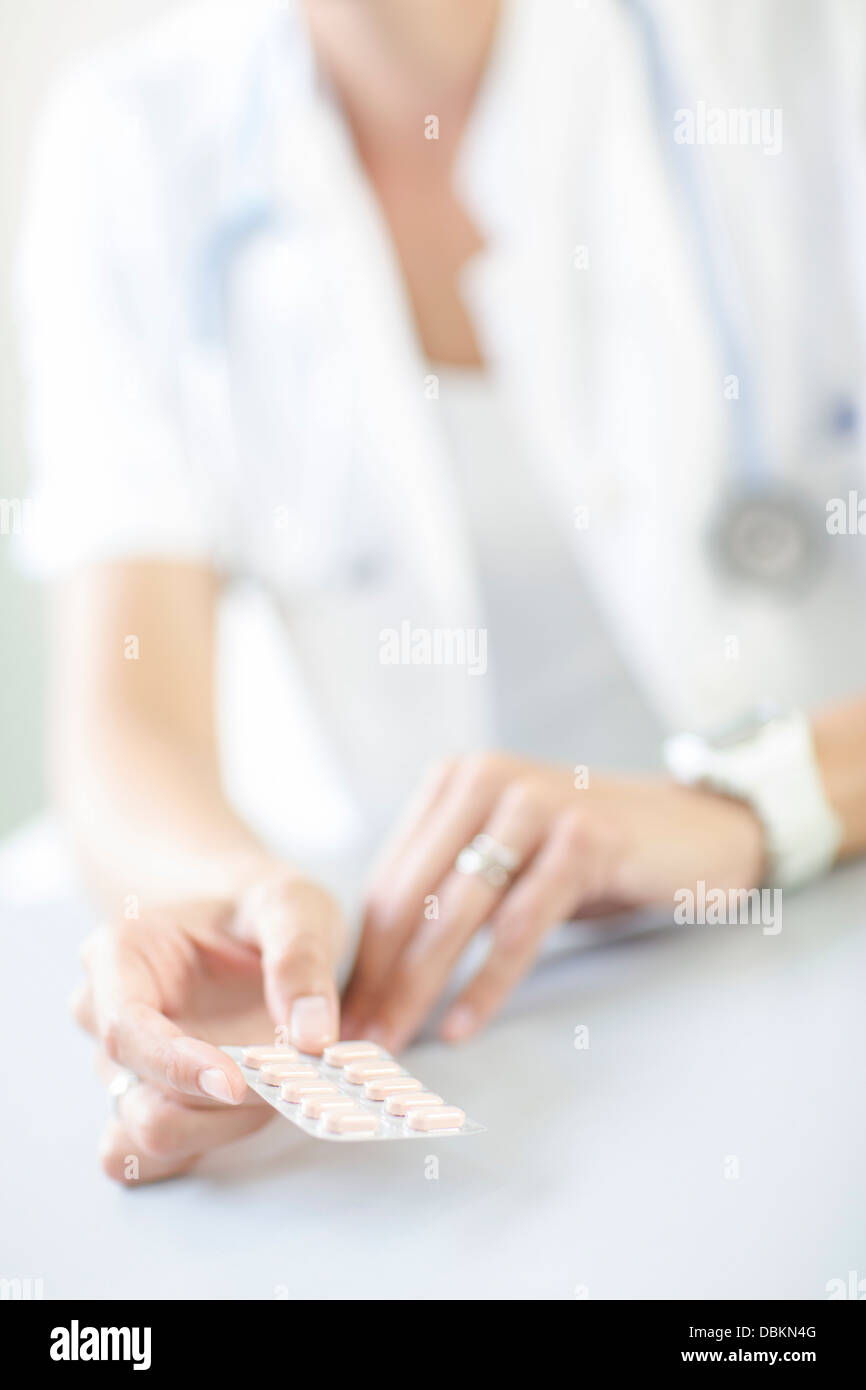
{"x": 777, "y": 773}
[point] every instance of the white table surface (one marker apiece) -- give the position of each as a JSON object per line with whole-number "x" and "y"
{"x": 602, "y": 1173}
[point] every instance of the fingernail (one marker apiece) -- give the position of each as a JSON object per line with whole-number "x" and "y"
{"x": 215, "y": 1083}
{"x": 311, "y": 1023}
{"x": 459, "y": 1023}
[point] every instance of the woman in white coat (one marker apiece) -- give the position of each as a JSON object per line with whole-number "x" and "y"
{"x": 513, "y": 353}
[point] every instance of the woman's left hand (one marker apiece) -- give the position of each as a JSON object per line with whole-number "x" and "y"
{"x": 611, "y": 846}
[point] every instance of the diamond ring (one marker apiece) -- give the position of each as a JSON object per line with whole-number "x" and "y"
{"x": 488, "y": 859}
{"x": 120, "y": 1084}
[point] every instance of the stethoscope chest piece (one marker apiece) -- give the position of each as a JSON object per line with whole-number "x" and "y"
{"x": 771, "y": 537}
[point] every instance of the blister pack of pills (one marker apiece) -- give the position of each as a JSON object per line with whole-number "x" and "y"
{"x": 355, "y": 1091}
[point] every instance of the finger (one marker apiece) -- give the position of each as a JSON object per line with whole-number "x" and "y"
{"x": 570, "y": 868}
{"x": 428, "y": 795}
{"x": 122, "y": 1162}
{"x": 134, "y": 1032}
{"x": 160, "y": 1128}
{"x": 299, "y": 930}
{"x": 518, "y": 821}
{"x": 397, "y": 901}
{"x": 108, "y": 1071}
{"x": 81, "y": 1008}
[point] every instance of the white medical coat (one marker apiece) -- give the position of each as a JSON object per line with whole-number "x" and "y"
{"x": 222, "y": 365}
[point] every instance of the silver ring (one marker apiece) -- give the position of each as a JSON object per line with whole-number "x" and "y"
{"x": 488, "y": 859}
{"x": 120, "y": 1084}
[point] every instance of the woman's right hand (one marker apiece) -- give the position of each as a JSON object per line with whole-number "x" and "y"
{"x": 161, "y": 992}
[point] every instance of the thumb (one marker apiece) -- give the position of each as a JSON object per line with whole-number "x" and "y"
{"x": 299, "y": 931}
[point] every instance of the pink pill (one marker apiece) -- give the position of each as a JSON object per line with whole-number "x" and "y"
{"x": 275, "y": 1072}
{"x": 315, "y": 1106}
{"x": 435, "y": 1117}
{"x": 402, "y": 1104}
{"x": 340, "y": 1053}
{"x": 338, "y": 1121}
{"x": 260, "y": 1056}
{"x": 379, "y": 1090}
{"x": 296, "y": 1090}
{"x": 371, "y": 1071}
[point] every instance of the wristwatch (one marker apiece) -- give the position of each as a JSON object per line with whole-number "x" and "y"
{"x": 768, "y": 760}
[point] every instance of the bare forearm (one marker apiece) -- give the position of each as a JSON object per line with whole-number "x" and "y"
{"x": 134, "y": 743}
{"x": 840, "y": 744}
{"x": 150, "y": 818}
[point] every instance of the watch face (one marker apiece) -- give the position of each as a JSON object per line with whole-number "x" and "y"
{"x": 745, "y": 729}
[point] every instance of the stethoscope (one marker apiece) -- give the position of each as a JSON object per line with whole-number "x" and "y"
{"x": 764, "y": 532}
